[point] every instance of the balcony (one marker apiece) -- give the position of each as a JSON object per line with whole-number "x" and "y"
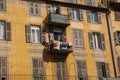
{"x": 115, "y": 3}
{"x": 57, "y": 47}
{"x": 58, "y": 19}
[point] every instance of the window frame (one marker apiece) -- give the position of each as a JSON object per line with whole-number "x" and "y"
{"x": 34, "y": 9}
{"x": 4, "y": 6}
{"x": 2, "y": 30}
{"x": 80, "y": 38}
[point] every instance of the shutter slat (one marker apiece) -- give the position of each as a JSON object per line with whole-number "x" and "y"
{"x": 8, "y": 31}
{"x": 28, "y": 33}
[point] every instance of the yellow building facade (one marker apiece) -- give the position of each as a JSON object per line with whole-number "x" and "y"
{"x": 55, "y": 40}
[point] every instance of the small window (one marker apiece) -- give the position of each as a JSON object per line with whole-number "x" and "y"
{"x": 53, "y": 9}
{"x": 117, "y": 37}
{"x": 96, "y": 40}
{"x": 117, "y": 14}
{"x": 94, "y": 17}
{"x": 78, "y": 38}
{"x": 2, "y": 5}
{"x": 38, "y": 69}
{"x": 33, "y": 33}
{"x": 34, "y": 9}
{"x": 5, "y": 30}
{"x": 75, "y": 14}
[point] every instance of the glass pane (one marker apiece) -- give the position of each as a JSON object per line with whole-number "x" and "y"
{"x": 38, "y": 35}
{"x": 33, "y": 35}
{"x": 1, "y": 30}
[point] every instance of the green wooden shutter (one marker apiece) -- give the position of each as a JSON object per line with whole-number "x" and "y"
{"x": 91, "y": 42}
{"x": 99, "y": 17}
{"x": 88, "y": 16}
{"x": 28, "y": 33}
{"x": 116, "y": 38}
{"x": 81, "y": 15}
{"x": 8, "y": 31}
{"x": 102, "y": 42}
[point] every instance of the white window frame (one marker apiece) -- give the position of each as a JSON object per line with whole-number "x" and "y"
{"x": 2, "y": 30}
{"x": 35, "y": 39}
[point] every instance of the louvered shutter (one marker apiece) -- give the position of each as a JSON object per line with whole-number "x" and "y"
{"x": 43, "y": 39}
{"x": 91, "y": 42}
{"x": 80, "y": 38}
{"x": 118, "y": 60}
{"x": 117, "y": 15}
{"x": 70, "y": 13}
{"x": 99, "y": 17}
{"x": 8, "y": 31}
{"x": 28, "y": 33}
{"x": 81, "y": 15}
{"x": 99, "y": 69}
{"x": 88, "y": 16}
{"x": 116, "y": 38}
{"x": 107, "y": 70}
{"x": 102, "y": 42}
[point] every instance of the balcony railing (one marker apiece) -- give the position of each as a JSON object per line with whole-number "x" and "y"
{"x": 58, "y": 47}
{"x": 58, "y": 19}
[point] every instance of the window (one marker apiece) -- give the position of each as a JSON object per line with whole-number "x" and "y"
{"x": 71, "y": 1}
{"x": 102, "y": 69}
{"x": 94, "y": 17}
{"x": 33, "y": 33}
{"x": 38, "y": 69}
{"x": 53, "y": 9}
{"x": 96, "y": 40}
{"x": 5, "y": 31}
{"x": 3, "y": 68}
{"x": 2, "y": 5}
{"x": 78, "y": 38}
{"x": 90, "y": 2}
{"x": 34, "y": 9}
{"x": 61, "y": 70}
{"x": 82, "y": 70}
{"x": 117, "y": 14}
{"x": 58, "y": 34}
{"x": 117, "y": 37}
{"x": 75, "y": 14}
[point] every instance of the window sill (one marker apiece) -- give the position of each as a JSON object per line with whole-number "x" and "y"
{"x": 35, "y": 16}
{"x": 76, "y": 20}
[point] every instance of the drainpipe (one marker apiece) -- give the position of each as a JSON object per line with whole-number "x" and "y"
{"x": 112, "y": 45}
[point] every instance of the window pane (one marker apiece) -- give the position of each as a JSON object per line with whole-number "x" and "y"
{"x": 33, "y": 35}
{"x": 1, "y": 30}
{"x": 38, "y": 35}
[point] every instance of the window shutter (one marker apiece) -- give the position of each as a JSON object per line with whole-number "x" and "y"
{"x": 81, "y": 15}
{"x": 70, "y": 13}
{"x": 43, "y": 39}
{"x": 90, "y": 35}
{"x": 116, "y": 38}
{"x": 28, "y": 33}
{"x": 117, "y": 15}
{"x": 107, "y": 70}
{"x": 80, "y": 38}
{"x": 88, "y": 16}
{"x": 99, "y": 40}
{"x": 102, "y": 42}
{"x": 99, "y": 69}
{"x": 8, "y": 31}
{"x": 99, "y": 18}
{"x": 118, "y": 60}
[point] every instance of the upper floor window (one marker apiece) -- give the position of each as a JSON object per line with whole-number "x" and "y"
{"x": 5, "y": 31}
{"x": 117, "y": 37}
{"x": 81, "y": 70}
{"x": 53, "y": 9}
{"x": 75, "y": 14}
{"x": 33, "y": 33}
{"x": 117, "y": 14}
{"x": 38, "y": 69}
{"x": 90, "y": 2}
{"x": 96, "y": 40}
{"x": 3, "y": 68}
{"x": 71, "y": 1}
{"x": 94, "y": 17}
{"x": 102, "y": 69}
{"x": 34, "y": 9}
{"x": 78, "y": 38}
{"x": 2, "y": 5}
